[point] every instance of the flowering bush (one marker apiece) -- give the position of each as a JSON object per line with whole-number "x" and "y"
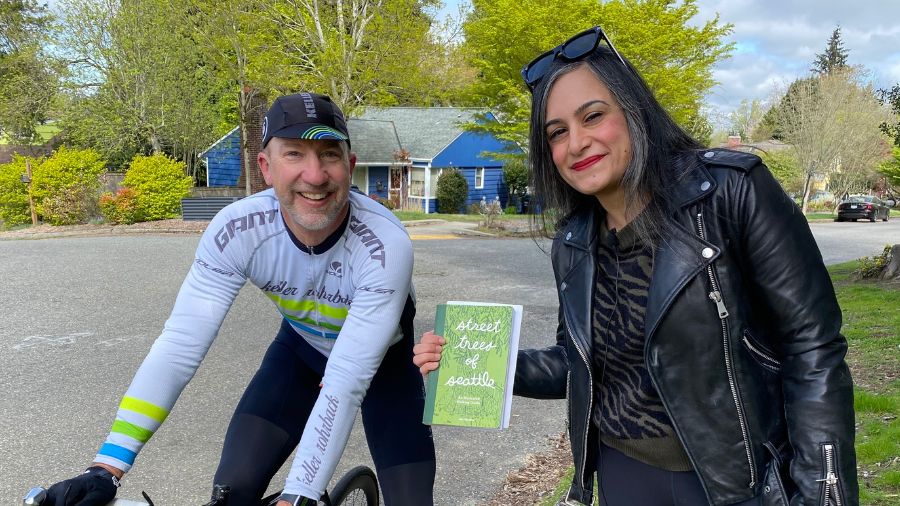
{"x": 121, "y": 207}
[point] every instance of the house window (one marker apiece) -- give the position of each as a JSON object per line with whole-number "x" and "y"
{"x": 435, "y": 175}
{"x": 479, "y": 177}
{"x": 417, "y": 182}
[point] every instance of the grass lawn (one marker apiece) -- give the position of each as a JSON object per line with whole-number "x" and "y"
{"x": 872, "y": 327}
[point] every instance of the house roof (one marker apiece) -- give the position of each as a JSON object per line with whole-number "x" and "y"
{"x": 424, "y": 131}
{"x": 373, "y": 141}
{"x": 380, "y": 131}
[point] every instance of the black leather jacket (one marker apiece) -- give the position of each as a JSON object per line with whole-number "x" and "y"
{"x": 743, "y": 342}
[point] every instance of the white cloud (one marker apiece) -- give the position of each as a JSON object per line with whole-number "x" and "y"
{"x": 778, "y": 41}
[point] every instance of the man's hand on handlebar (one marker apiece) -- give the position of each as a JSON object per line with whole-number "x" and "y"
{"x": 95, "y": 487}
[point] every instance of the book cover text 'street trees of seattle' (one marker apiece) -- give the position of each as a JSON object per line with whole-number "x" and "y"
{"x": 472, "y": 387}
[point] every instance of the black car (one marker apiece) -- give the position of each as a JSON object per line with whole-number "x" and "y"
{"x": 863, "y": 206}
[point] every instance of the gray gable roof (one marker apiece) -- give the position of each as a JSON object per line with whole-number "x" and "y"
{"x": 424, "y": 131}
{"x": 373, "y": 141}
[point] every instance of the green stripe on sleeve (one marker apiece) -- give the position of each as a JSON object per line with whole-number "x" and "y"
{"x": 145, "y": 408}
{"x": 131, "y": 430}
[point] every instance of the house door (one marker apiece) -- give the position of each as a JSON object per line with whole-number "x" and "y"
{"x": 394, "y": 192}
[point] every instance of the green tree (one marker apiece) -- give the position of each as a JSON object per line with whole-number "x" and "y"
{"x": 503, "y": 35}
{"x": 28, "y": 81}
{"x": 784, "y": 166}
{"x": 238, "y": 38}
{"x": 745, "y": 119}
{"x": 138, "y": 82}
{"x": 890, "y": 169}
{"x": 832, "y": 122}
{"x": 891, "y": 98}
{"x": 353, "y": 51}
{"x": 769, "y": 126}
{"x": 515, "y": 175}
{"x": 834, "y": 57}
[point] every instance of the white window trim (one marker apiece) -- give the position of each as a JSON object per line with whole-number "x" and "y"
{"x": 481, "y": 186}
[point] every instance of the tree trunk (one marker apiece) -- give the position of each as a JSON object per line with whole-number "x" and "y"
{"x": 243, "y": 107}
{"x": 807, "y": 185}
{"x": 892, "y": 269}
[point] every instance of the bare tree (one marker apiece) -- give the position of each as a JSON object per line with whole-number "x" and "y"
{"x": 833, "y": 121}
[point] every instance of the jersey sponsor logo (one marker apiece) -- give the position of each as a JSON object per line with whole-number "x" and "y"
{"x": 369, "y": 239}
{"x": 323, "y": 437}
{"x": 281, "y": 288}
{"x": 242, "y": 224}
{"x": 310, "y": 469}
{"x": 327, "y": 423}
{"x": 335, "y": 297}
{"x": 375, "y": 289}
{"x": 217, "y": 270}
{"x": 335, "y": 269}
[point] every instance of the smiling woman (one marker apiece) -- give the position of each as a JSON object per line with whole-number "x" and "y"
{"x": 698, "y": 343}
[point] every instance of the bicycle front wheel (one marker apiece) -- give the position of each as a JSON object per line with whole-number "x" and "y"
{"x": 359, "y": 487}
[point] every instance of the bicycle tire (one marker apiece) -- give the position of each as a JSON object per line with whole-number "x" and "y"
{"x": 358, "y": 484}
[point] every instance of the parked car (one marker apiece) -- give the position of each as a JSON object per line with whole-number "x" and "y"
{"x": 863, "y": 206}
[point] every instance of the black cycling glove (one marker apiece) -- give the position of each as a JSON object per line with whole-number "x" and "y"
{"x": 95, "y": 487}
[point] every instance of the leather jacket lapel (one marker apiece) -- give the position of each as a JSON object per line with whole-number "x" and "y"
{"x": 576, "y": 287}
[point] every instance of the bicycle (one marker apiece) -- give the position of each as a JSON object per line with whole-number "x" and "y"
{"x": 358, "y": 487}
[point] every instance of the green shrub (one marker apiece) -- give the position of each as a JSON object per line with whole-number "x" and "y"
{"x": 14, "y": 193}
{"x": 452, "y": 191}
{"x": 121, "y": 207}
{"x": 66, "y": 185}
{"x": 872, "y": 267}
{"x": 515, "y": 175}
{"x": 159, "y": 184}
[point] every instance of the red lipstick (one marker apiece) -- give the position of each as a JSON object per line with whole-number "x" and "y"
{"x": 582, "y": 164}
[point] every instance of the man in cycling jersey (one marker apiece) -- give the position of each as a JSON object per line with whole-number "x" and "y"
{"x": 338, "y": 267}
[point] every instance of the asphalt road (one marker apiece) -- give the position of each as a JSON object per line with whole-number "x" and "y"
{"x": 78, "y": 315}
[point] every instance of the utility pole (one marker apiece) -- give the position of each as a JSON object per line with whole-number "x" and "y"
{"x": 26, "y": 178}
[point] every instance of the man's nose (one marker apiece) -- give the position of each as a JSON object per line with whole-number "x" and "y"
{"x": 314, "y": 174}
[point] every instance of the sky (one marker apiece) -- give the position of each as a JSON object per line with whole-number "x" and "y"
{"x": 776, "y": 42}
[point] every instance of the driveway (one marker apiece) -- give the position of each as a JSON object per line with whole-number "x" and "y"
{"x": 79, "y": 313}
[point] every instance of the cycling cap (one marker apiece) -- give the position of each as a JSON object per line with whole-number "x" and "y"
{"x": 304, "y": 116}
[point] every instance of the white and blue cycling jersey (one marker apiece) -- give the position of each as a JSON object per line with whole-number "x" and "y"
{"x": 344, "y": 297}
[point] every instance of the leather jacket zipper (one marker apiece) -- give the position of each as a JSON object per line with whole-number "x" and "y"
{"x": 765, "y": 359}
{"x": 716, "y": 296}
{"x": 590, "y": 399}
{"x": 832, "y": 492}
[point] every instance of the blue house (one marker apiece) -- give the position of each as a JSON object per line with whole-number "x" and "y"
{"x": 436, "y": 141}
{"x": 401, "y": 153}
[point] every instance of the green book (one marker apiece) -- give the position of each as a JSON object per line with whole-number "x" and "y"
{"x": 472, "y": 387}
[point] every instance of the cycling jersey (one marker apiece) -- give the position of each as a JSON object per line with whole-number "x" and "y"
{"x": 337, "y": 296}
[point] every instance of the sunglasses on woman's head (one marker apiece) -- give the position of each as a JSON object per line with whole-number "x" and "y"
{"x": 579, "y": 46}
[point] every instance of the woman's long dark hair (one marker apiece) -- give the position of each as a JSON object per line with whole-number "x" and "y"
{"x": 655, "y": 142}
